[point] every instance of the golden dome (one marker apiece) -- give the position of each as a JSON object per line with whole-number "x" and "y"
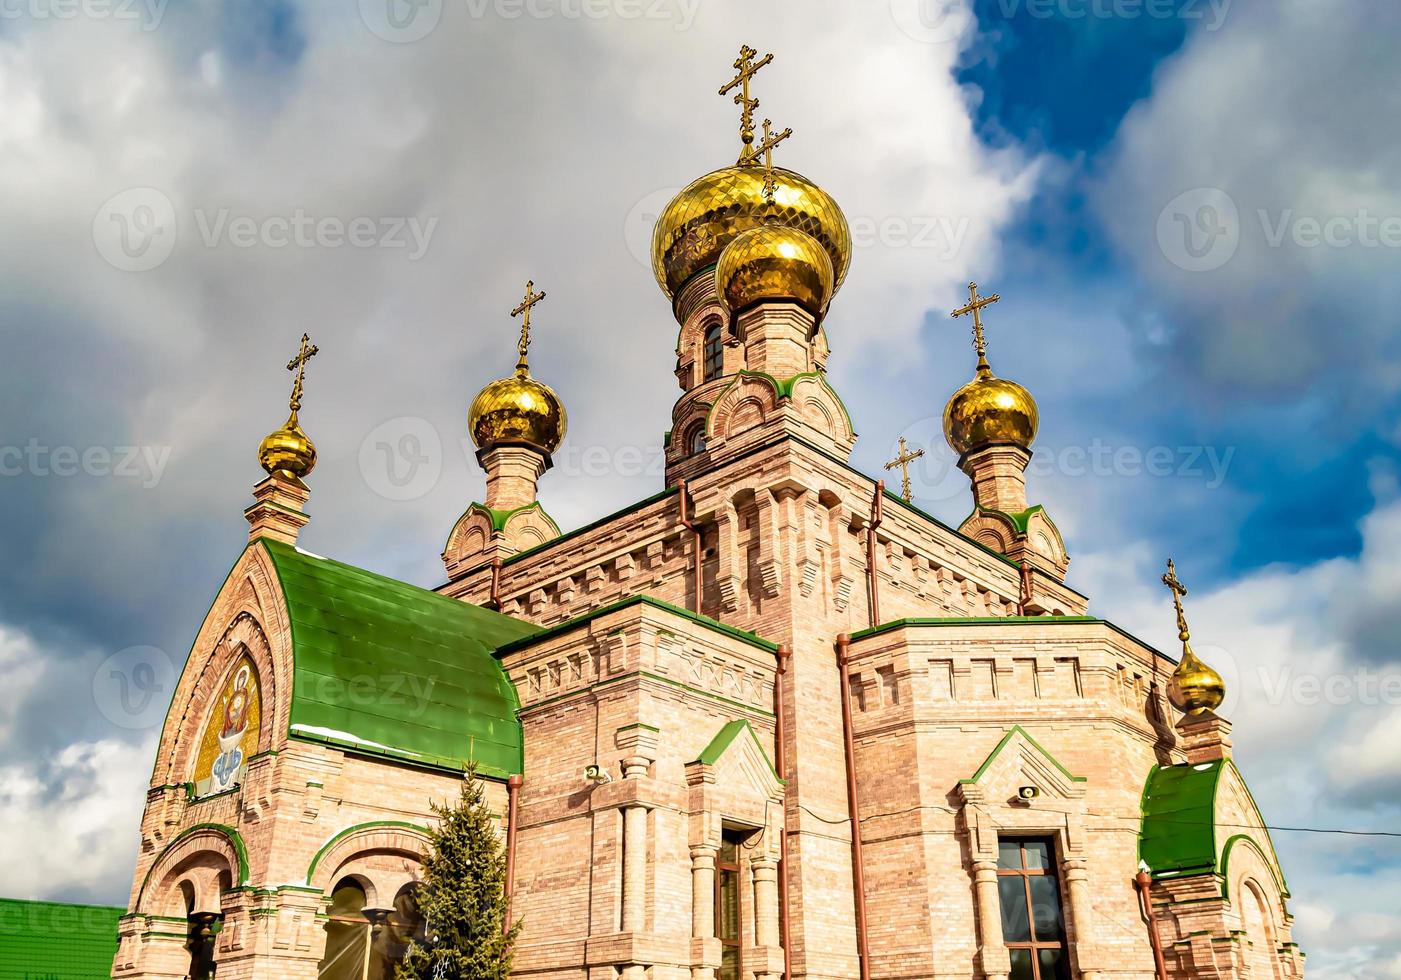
{"x": 287, "y": 452}
{"x": 706, "y": 216}
{"x": 1195, "y": 688}
{"x": 518, "y": 409}
{"x": 990, "y": 409}
{"x": 774, "y": 261}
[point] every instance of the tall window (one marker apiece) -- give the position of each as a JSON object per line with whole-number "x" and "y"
{"x": 729, "y": 904}
{"x": 714, "y": 352}
{"x": 1032, "y": 925}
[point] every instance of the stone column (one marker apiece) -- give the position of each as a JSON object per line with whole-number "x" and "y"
{"x": 635, "y": 853}
{"x": 992, "y": 953}
{"x": 765, "y": 872}
{"x": 1077, "y": 885}
{"x": 703, "y": 911}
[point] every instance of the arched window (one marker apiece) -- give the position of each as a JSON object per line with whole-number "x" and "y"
{"x": 696, "y": 443}
{"x": 368, "y": 943}
{"x": 714, "y": 352}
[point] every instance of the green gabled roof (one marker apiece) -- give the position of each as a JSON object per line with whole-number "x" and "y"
{"x": 1020, "y": 519}
{"x": 1178, "y": 835}
{"x": 390, "y": 669}
{"x": 54, "y": 941}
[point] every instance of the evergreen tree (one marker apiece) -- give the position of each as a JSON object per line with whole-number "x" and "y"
{"x": 464, "y": 896}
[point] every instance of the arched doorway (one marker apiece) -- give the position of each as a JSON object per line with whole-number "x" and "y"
{"x": 365, "y": 942}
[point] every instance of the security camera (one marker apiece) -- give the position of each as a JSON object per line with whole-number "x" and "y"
{"x": 1028, "y": 793}
{"x": 597, "y": 774}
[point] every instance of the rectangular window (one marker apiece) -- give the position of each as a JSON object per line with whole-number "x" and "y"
{"x": 729, "y": 904}
{"x": 1033, "y": 927}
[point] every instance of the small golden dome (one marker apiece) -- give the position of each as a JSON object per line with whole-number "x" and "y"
{"x": 990, "y": 409}
{"x": 1195, "y": 688}
{"x": 706, "y": 216}
{"x": 774, "y": 261}
{"x": 518, "y": 409}
{"x": 287, "y": 452}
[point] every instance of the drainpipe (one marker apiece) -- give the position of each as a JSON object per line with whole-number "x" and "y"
{"x": 513, "y": 789}
{"x": 688, "y": 522}
{"x": 1143, "y": 881}
{"x": 1026, "y": 589}
{"x": 780, "y": 753}
{"x": 495, "y": 600}
{"x": 876, "y": 513}
{"x": 858, "y": 864}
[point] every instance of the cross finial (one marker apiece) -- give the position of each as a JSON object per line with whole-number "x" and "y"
{"x": 1179, "y": 591}
{"x": 307, "y": 352}
{"x": 903, "y": 461}
{"x": 975, "y": 306}
{"x": 746, "y": 67}
{"x": 523, "y": 310}
{"x": 766, "y": 146}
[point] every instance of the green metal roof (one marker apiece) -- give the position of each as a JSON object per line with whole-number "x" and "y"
{"x": 54, "y": 941}
{"x": 389, "y": 669}
{"x": 1178, "y": 836}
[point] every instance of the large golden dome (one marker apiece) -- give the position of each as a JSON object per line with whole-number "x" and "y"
{"x": 988, "y": 410}
{"x": 518, "y": 409}
{"x": 775, "y": 261}
{"x": 287, "y": 452}
{"x": 706, "y": 216}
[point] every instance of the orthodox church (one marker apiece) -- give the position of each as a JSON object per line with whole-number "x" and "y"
{"x": 772, "y": 722}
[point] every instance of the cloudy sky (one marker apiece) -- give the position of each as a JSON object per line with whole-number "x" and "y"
{"x": 1191, "y": 208}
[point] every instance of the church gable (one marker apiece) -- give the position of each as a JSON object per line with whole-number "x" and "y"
{"x": 736, "y": 757}
{"x": 1019, "y": 761}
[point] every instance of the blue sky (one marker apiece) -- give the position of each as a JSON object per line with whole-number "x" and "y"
{"x": 1186, "y": 215}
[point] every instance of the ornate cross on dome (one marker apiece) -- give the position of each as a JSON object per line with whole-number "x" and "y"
{"x": 298, "y": 364}
{"x": 975, "y": 306}
{"x": 531, "y": 298}
{"x": 903, "y": 461}
{"x": 1179, "y": 591}
{"x": 746, "y": 67}
{"x": 766, "y": 146}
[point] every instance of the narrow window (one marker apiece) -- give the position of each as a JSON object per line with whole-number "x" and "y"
{"x": 698, "y": 440}
{"x": 729, "y": 905}
{"x": 1032, "y": 925}
{"x": 347, "y": 934}
{"x": 714, "y": 352}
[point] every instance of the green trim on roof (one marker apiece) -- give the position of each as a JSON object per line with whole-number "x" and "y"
{"x": 57, "y": 940}
{"x": 498, "y": 518}
{"x": 590, "y": 526}
{"x": 992, "y": 757}
{"x": 1226, "y": 860}
{"x": 895, "y": 624}
{"x": 782, "y": 389}
{"x": 335, "y": 839}
{"x": 896, "y": 498}
{"x": 387, "y": 669}
{"x": 1019, "y": 519}
{"x": 647, "y": 600}
{"x": 725, "y": 737}
{"x": 1178, "y": 835}
{"x": 235, "y": 840}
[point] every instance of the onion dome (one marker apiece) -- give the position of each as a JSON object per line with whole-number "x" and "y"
{"x": 518, "y": 409}
{"x": 989, "y": 410}
{"x": 708, "y": 214}
{"x": 1194, "y": 687}
{"x": 775, "y": 261}
{"x": 287, "y": 452}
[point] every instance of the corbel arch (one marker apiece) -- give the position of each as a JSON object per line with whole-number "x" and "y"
{"x": 382, "y": 856}
{"x": 192, "y": 870}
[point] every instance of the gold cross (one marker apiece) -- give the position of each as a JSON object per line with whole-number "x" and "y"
{"x": 1179, "y": 591}
{"x": 298, "y": 364}
{"x": 765, "y": 147}
{"x": 531, "y": 298}
{"x": 903, "y": 461}
{"x": 746, "y": 66}
{"x": 975, "y": 306}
